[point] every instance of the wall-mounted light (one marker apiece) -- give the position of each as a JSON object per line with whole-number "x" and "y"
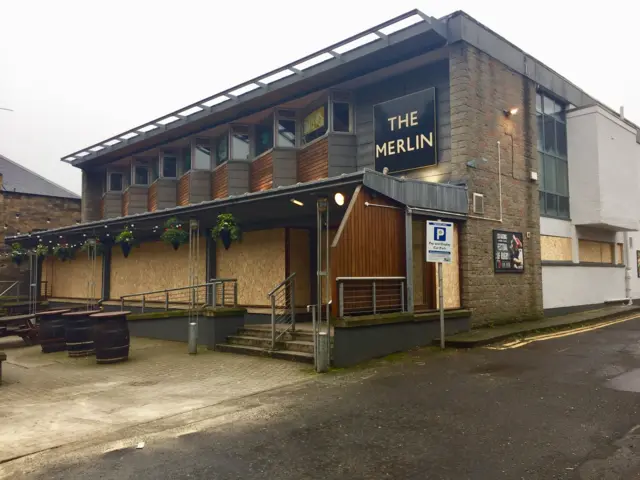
{"x": 297, "y": 202}
{"x": 339, "y": 199}
{"x": 48, "y": 220}
{"x": 511, "y": 112}
{"x": 17, "y": 216}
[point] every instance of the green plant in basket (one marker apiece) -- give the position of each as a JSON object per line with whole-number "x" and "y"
{"x": 99, "y": 246}
{"x": 174, "y": 234}
{"x": 226, "y": 229}
{"x": 126, "y": 240}
{"x": 42, "y": 250}
{"x": 18, "y": 253}
{"x": 63, "y": 251}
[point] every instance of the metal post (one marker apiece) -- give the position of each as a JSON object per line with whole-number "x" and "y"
{"x": 235, "y": 294}
{"x": 341, "y": 299}
{"x": 121, "y": 303}
{"x": 374, "y": 297}
{"x": 322, "y": 362}
{"x": 166, "y": 301}
{"x": 223, "y": 294}
{"x": 214, "y": 287}
{"x": 441, "y": 298}
{"x": 143, "y": 303}
{"x": 273, "y": 322}
{"x": 314, "y": 330}
{"x": 193, "y": 337}
{"x": 293, "y": 304}
{"x": 402, "y": 296}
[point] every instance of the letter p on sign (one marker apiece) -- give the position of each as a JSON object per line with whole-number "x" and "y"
{"x": 440, "y": 234}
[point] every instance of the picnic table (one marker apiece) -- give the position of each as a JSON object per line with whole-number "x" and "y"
{"x": 20, "y": 325}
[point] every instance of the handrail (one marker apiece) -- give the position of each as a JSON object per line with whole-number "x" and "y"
{"x": 165, "y": 290}
{"x": 338, "y": 279}
{"x": 281, "y": 284}
{"x": 9, "y": 288}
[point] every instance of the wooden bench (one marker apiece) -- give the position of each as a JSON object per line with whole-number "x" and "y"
{"x": 3, "y": 357}
{"x": 20, "y": 325}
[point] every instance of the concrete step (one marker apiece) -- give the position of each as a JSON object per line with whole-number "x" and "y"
{"x": 257, "y": 351}
{"x": 264, "y": 342}
{"x": 265, "y": 332}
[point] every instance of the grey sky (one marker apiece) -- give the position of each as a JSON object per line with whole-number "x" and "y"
{"x": 77, "y": 72}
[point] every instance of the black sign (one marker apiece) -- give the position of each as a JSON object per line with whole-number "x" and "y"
{"x": 405, "y": 132}
{"x": 508, "y": 252}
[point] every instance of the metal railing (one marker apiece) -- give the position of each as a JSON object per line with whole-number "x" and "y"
{"x": 283, "y": 308}
{"x": 9, "y": 288}
{"x": 218, "y": 292}
{"x": 370, "y": 295}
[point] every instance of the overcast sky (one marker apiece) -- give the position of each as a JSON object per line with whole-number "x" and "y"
{"x": 78, "y": 72}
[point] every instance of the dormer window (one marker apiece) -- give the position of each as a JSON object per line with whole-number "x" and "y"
{"x": 115, "y": 182}
{"x": 140, "y": 173}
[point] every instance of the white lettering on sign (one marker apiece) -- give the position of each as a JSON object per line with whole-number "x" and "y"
{"x": 403, "y": 145}
{"x": 439, "y": 242}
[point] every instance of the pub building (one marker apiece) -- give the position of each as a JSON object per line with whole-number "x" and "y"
{"x": 331, "y": 167}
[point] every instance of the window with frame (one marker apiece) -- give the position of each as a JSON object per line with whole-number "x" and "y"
{"x": 169, "y": 165}
{"x": 552, "y": 154}
{"x": 341, "y": 117}
{"x": 221, "y": 149}
{"x": 263, "y": 139}
{"x": 314, "y": 124}
{"x": 140, "y": 175}
{"x": 202, "y": 157}
{"x": 115, "y": 182}
{"x": 286, "y": 128}
{"x": 240, "y": 142}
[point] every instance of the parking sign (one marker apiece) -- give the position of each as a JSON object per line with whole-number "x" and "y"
{"x": 439, "y": 241}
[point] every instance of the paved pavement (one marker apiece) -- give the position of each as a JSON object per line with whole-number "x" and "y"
{"x": 565, "y": 408}
{"x": 51, "y": 400}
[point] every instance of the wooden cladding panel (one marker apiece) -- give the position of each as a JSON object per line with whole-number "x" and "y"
{"x": 126, "y": 197}
{"x": 102, "y": 207}
{"x": 220, "y": 182}
{"x": 152, "y": 198}
{"x": 371, "y": 243}
{"x": 313, "y": 162}
{"x": 261, "y": 173}
{"x": 183, "y": 189}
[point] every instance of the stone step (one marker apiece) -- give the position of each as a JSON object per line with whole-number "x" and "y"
{"x": 261, "y": 352}
{"x": 264, "y": 342}
{"x": 265, "y": 332}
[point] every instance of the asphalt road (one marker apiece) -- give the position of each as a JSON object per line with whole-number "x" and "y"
{"x": 559, "y": 409}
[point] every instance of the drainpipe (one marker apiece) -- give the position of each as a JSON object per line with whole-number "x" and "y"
{"x": 627, "y": 269}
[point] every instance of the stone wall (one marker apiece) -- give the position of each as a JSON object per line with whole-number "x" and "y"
{"x": 33, "y": 211}
{"x": 481, "y": 90}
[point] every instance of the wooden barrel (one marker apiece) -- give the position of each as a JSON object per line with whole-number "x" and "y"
{"x": 52, "y": 330}
{"x": 79, "y": 333}
{"x": 111, "y": 336}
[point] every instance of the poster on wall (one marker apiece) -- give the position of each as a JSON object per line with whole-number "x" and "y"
{"x": 405, "y": 132}
{"x": 508, "y": 252}
{"x": 638, "y": 261}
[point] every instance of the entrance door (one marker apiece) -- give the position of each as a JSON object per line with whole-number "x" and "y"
{"x": 424, "y": 286}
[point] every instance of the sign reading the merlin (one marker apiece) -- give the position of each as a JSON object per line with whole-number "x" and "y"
{"x": 405, "y": 132}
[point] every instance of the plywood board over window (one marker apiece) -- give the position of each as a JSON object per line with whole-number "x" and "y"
{"x": 257, "y": 261}
{"x": 71, "y": 278}
{"x": 556, "y": 249}
{"x": 299, "y": 263}
{"x": 596, "y": 252}
{"x": 153, "y": 266}
{"x": 450, "y": 276}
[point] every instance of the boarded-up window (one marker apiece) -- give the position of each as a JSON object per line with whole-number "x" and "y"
{"x": 555, "y": 249}
{"x": 596, "y": 252}
{"x": 619, "y": 254}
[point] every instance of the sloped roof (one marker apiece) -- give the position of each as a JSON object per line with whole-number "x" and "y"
{"x": 16, "y": 178}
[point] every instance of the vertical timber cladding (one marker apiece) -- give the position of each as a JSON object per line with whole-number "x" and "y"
{"x": 71, "y": 278}
{"x": 261, "y": 173}
{"x": 183, "y": 189}
{"x": 405, "y": 132}
{"x": 152, "y": 197}
{"x": 481, "y": 89}
{"x": 153, "y": 266}
{"x": 370, "y": 242}
{"x": 313, "y": 161}
{"x": 258, "y": 262}
{"x": 220, "y": 182}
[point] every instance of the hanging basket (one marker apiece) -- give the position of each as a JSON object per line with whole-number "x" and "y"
{"x": 126, "y": 249}
{"x": 17, "y": 260}
{"x": 175, "y": 244}
{"x": 225, "y": 237}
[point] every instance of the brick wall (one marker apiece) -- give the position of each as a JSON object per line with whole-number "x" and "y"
{"x": 126, "y": 198}
{"x": 220, "y": 182}
{"x": 152, "y": 197}
{"x": 34, "y": 210}
{"x": 261, "y": 173}
{"x": 481, "y": 88}
{"x": 313, "y": 161}
{"x": 183, "y": 189}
